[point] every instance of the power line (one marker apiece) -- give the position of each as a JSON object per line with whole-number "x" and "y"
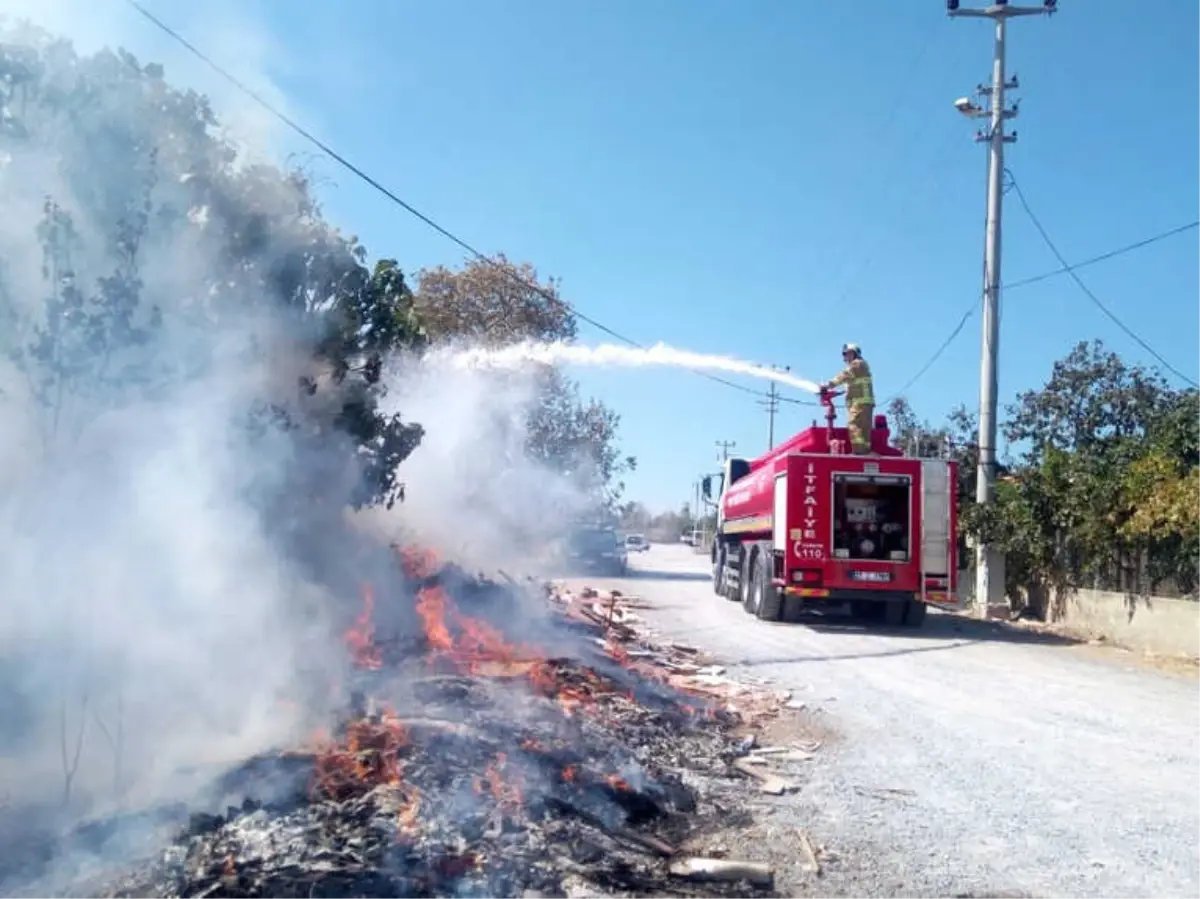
{"x": 408, "y": 207}
{"x": 1070, "y": 271}
{"x": 937, "y": 354}
{"x": 1064, "y": 269}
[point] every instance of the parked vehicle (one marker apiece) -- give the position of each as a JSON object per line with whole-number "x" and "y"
{"x": 597, "y": 550}
{"x": 808, "y": 524}
{"x": 636, "y": 543}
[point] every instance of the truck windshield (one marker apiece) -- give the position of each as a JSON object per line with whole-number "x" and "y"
{"x": 871, "y": 517}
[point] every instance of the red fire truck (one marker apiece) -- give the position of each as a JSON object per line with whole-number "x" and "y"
{"x": 808, "y": 524}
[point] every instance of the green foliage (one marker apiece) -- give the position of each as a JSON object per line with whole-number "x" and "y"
{"x": 954, "y": 439}
{"x": 1105, "y": 487}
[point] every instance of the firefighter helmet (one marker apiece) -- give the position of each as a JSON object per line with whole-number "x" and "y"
{"x": 851, "y": 348}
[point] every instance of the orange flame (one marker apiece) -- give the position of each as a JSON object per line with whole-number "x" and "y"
{"x": 618, "y": 783}
{"x": 465, "y": 641}
{"x": 368, "y": 757}
{"x": 406, "y": 818}
{"x": 431, "y": 606}
{"x": 504, "y": 785}
{"x": 361, "y": 635}
{"x": 471, "y": 645}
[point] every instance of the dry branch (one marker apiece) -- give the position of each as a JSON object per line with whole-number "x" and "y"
{"x": 767, "y": 782}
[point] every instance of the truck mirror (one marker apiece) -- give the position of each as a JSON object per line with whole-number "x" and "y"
{"x": 706, "y": 486}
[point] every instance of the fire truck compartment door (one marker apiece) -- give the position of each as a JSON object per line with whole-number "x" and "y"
{"x": 936, "y": 496}
{"x": 779, "y": 529}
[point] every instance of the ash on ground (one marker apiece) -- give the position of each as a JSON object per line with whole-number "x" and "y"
{"x": 463, "y": 765}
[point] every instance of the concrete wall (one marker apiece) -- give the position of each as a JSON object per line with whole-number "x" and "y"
{"x": 1151, "y": 624}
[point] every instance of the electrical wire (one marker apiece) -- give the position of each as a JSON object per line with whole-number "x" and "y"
{"x": 937, "y": 354}
{"x": 1074, "y": 276}
{"x": 408, "y": 207}
{"x": 1063, "y": 269}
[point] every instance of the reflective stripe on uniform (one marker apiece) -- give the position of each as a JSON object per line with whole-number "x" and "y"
{"x": 860, "y": 390}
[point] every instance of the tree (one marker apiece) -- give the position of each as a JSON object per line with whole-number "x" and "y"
{"x": 915, "y": 437}
{"x": 1092, "y": 402}
{"x": 492, "y": 304}
{"x": 1103, "y": 492}
{"x": 142, "y": 176}
{"x": 500, "y": 304}
{"x": 954, "y": 438}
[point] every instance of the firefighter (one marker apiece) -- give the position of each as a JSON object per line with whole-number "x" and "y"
{"x": 860, "y": 397}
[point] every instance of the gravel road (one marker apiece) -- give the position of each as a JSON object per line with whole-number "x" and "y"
{"x": 1023, "y": 765}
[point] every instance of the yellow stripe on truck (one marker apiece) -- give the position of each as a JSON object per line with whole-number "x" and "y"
{"x": 806, "y": 591}
{"x": 741, "y": 525}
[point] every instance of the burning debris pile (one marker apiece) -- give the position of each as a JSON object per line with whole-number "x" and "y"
{"x": 468, "y": 764}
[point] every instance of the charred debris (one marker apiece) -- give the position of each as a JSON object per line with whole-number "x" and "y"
{"x": 467, "y": 762}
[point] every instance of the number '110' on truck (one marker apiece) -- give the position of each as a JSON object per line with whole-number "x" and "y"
{"x": 810, "y": 525}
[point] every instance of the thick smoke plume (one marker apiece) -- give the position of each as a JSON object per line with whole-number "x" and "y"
{"x": 140, "y": 564}
{"x": 172, "y": 505}
{"x": 474, "y": 490}
{"x": 173, "y": 510}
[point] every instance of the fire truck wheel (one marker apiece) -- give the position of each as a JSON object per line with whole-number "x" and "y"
{"x": 718, "y": 570}
{"x": 768, "y": 599}
{"x": 914, "y": 613}
{"x": 746, "y": 592}
{"x": 894, "y": 612}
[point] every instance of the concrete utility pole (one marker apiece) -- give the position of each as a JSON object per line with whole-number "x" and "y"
{"x": 989, "y": 564}
{"x": 726, "y": 446}
{"x": 771, "y": 404}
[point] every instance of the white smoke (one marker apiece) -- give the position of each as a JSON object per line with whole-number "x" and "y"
{"x": 154, "y": 620}
{"x": 150, "y": 620}
{"x": 472, "y": 490}
{"x": 607, "y": 354}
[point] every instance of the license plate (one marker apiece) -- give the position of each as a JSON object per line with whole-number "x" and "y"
{"x": 874, "y": 576}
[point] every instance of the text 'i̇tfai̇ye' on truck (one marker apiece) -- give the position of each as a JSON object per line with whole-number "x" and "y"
{"x": 809, "y": 525}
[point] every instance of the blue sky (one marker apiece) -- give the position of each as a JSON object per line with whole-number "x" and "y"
{"x": 764, "y": 178}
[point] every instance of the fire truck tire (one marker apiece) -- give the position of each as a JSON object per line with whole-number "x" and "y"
{"x": 914, "y": 613}
{"x": 894, "y": 613}
{"x": 768, "y": 599}
{"x": 718, "y": 571}
{"x": 746, "y": 592}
